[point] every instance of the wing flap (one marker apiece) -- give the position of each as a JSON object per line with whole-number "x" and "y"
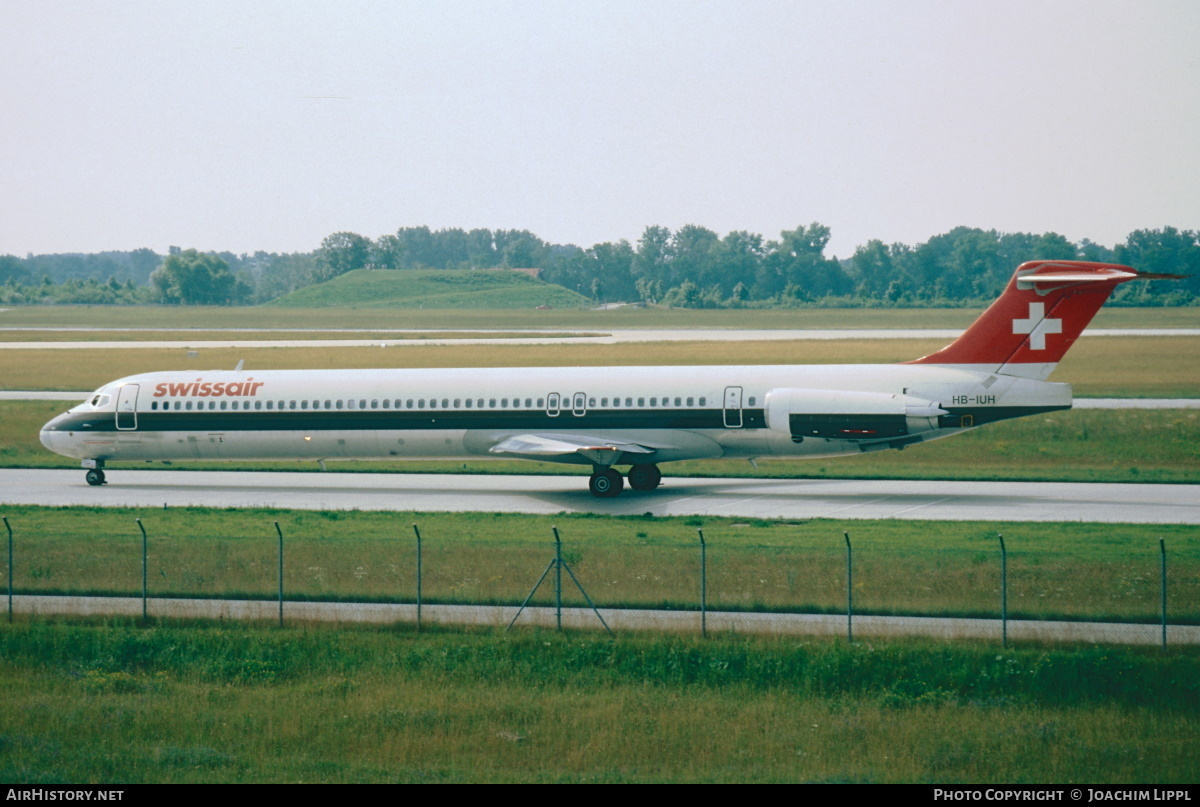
{"x": 550, "y": 446}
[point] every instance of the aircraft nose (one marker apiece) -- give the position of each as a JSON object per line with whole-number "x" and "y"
{"x": 51, "y": 435}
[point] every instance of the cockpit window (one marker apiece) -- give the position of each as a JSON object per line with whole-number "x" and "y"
{"x": 99, "y": 400}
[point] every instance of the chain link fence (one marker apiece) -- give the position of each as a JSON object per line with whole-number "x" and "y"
{"x": 1001, "y": 591}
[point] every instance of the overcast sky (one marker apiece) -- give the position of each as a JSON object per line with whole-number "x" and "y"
{"x": 250, "y": 125}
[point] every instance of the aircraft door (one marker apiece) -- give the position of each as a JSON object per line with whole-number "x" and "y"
{"x": 579, "y": 405}
{"x": 733, "y": 407}
{"x": 127, "y": 407}
{"x": 552, "y": 405}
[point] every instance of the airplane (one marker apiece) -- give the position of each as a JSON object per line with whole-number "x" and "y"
{"x": 605, "y": 417}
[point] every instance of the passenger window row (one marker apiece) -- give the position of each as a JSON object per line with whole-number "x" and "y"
{"x": 407, "y": 403}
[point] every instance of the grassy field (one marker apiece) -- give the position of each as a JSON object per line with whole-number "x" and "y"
{"x": 1096, "y": 572}
{"x": 365, "y": 288}
{"x": 574, "y": 318}
{"x": 1148, "y": 366}
{"x": 112, "y": 702}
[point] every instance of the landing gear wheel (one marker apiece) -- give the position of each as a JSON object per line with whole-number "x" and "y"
{"x": 644, "y": 477}
{"x": 606, "y": 484}
{"x": 95, "y": 477}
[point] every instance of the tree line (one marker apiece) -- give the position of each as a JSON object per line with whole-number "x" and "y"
{"x": 691, "y": 267}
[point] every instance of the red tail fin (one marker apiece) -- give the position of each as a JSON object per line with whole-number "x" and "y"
{"x": 1041, "y": 313}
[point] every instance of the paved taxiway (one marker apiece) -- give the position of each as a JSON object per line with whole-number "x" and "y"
{"x": 498, "y": 616}
{"x": 415, "y": 339}
{"x": 744, "y": 498}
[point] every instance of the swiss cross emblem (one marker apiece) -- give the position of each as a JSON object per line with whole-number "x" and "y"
{"x": 1037, "y": 326}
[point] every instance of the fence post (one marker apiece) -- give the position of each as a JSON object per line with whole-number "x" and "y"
{"x": 10, "y": 571}
{"x": 1003, "y": 590}
{"x": 279, "y": 532}
{"x": 1162, "y": 548}
{"x": 557, "y": 579}
{"x": 143, "y": 529}
{"x": 418, "y": 532}
{"x": 849, "y": 590}
{"x": 703, "y": 586}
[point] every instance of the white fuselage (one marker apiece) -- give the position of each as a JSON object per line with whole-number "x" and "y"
{"x": 646, "y": 414}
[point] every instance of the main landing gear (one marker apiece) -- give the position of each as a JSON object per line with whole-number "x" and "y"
{"x": 608, "y": 482}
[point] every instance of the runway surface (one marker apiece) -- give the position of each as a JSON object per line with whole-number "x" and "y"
{"x": 623, "y": 619}
{"x": 413, "y": 338}
{"x": 748, "y": 498}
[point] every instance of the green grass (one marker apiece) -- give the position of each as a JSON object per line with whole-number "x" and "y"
{"x": 207, "y": 317}
{"x": 1167, "y": 367}
{"x": 1094, "y": 572}
{"x": 111, "y": 702}
{"x": 388, "y": 288}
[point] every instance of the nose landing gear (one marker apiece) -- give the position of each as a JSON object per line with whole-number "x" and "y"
{"x": 95, "y": 474}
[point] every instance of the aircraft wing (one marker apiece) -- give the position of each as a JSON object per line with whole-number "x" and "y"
{"x": 597, "y": 450}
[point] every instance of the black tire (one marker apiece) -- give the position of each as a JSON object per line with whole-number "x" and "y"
{"x": 644, "y": 477}
{"x": 95, "y": 477}
{"x": 606, "y": 484}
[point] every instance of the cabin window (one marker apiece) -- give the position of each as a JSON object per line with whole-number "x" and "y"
{"x": 702, "y": 401}
{"x": 386, "y": 402}
{"x": 641, "y": 401}
{"x": 362, "y": 404}
{"x": 541, "y": 403}
{"x": 529, "y": 403}
{"x": 654, "y": 401}
{"x": 678, "y": 402}
{"x": 408, "y": 404}
{"x": 223, "y": 404}
{"x": 189, "y": 406}
{"x": 469, "y": 402}
{"x": 751, "y": 401}
{"x": 338, "y": 403}
{"x": 304, "y": 404}
{"x": 291, "y": 404}
{"x": 629, "y": 401}
{"x": 504, "y": 403}
{"x": 212, "y": 405}
{"x": 433, "y": 403}
{"x": 258, "y": 404}
{"x": 420, "y": 403}
{"x": 457, "y": 403}
{"x": 691, "y": 401}
{"x": 604, "y": 401}
{"x": 153, "y": 406}
{"x": 492, "y": 403}
{"x": 591, "y": 403}
{"x": 445, "y": 403}
{"x": 374, "y": 403}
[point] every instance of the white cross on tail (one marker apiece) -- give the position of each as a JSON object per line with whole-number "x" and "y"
{"x": 1037, "y": 326}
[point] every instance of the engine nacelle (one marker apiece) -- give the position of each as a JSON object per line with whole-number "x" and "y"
{"x": 843, "y": 415}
